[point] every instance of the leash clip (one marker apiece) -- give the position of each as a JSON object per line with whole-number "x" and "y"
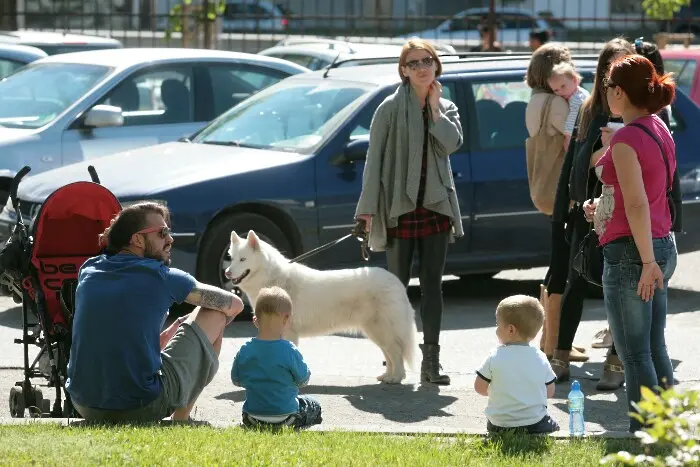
{"x": 362, "y": 235}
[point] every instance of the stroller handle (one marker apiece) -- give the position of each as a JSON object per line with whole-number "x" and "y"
{"x": 93, "y": 174}
{"x": 15, "y": 184}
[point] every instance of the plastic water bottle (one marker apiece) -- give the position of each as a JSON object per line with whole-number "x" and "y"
{"x": 576, "y": 423}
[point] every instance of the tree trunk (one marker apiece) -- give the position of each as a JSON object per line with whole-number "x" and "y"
{"x": 8, "y": 15}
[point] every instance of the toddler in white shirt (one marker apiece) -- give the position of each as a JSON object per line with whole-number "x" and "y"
{"x": 517, "y": 377}
{"x": 566, "y": 82}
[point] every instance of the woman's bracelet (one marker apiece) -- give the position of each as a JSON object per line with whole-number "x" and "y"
{"x": 650, "y": 262}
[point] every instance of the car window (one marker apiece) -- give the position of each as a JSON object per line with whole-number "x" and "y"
{"x": 299, "y": 59}
{"x": 234, "y": 83}
{"x": 465, "y": 23}
{"x": 318, "y": 63}
{"x": 249, "y": 11}
{"x": 155, "y": 97}
{"x": 7, "y": 67}
{"x": 500, "y": 111}
{"x": 684, "y": 71}
{"x": 361, "y": 128}
{"x": 258, "y": 12}
{"x": 294, "y": 116}
{"x": 36, "y": 94}
{"x": 517, "y": 21}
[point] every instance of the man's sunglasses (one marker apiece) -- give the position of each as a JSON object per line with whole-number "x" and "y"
{"x": 163, "y": 230}
{"x": 426, "y": 62}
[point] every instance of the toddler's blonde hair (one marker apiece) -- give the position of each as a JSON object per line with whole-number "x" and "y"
{"x": 565, "y": 69}
{"x": 523, "y": 312}
{"x": 272, "y": 300}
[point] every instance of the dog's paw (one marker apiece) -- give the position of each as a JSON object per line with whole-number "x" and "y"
{"x": 382, "y": 376}
{"x": 390, "y": 379}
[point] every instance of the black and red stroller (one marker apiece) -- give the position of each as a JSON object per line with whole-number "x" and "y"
{"x": 39, "y": 264}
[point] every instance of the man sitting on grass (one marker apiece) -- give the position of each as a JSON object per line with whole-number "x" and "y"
{"x": 117, "y": 371}
{"x": 517, "y": 377}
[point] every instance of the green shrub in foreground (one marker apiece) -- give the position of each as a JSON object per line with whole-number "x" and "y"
{"x": 671, "y": 422}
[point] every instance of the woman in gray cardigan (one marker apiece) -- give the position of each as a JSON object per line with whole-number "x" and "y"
{"x": 408, "y": 198}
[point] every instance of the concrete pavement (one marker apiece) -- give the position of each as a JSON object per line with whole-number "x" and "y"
{"x": 344, "y": 367}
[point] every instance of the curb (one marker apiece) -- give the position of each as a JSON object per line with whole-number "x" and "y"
{"x": 324, "y": 428}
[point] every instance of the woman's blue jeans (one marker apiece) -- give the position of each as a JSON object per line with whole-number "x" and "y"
{"x": 638, "y": 327}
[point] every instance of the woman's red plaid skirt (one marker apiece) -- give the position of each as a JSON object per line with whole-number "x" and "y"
{"x": 420, "y": 223}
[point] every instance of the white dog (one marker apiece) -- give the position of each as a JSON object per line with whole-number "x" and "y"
{"x": 370, "y": 299}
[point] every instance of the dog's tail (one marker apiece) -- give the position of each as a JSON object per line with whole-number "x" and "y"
{"x": 399, "y": 318}
{"x": 407, "y": 336}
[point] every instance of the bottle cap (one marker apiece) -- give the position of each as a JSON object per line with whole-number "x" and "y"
{"x": 575, "y": 385}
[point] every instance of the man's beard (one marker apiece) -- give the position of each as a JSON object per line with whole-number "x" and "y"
{"x": 159, "y": 255}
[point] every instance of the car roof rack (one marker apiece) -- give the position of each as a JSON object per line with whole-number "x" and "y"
{"x": 348, "y": 46}
{"x": 465, "y": 56}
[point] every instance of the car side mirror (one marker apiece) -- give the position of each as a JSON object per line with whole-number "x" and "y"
{"x": 102, "y": 116}
{"x": 356, "y": 150}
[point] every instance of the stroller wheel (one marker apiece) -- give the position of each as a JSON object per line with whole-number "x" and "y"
{"x": 16, "y": 402}
{"x": 41, "y": 405}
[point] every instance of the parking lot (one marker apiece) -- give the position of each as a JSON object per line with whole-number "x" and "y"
{"x": 279, "y": 141}
{"x": 344, "y": 367}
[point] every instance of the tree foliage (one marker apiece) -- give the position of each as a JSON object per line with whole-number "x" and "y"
{"x": 663, "y": 9}
{"x": 670, "y": 434}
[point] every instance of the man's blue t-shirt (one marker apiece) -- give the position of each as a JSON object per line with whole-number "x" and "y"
{"x": 121, "y": 304}
{"x": 271, "y": 373}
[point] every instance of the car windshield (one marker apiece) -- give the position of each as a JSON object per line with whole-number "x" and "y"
{"x": 37, "y": 94}
{"x": 295, "y": 116}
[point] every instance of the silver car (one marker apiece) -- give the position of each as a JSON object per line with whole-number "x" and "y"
{"x": 73, "y": 107}
{"x": 13, "y": 57}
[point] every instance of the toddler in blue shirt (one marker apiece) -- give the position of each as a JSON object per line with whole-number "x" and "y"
{"x": 271, "y": 369}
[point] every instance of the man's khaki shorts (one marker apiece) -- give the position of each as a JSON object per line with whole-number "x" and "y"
{"x": 189, "y": 363}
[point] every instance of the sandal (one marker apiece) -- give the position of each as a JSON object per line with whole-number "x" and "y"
{"x": 613, "y": 375}
{"x": 561, "y": 369}
{"x": 605, "y": 339}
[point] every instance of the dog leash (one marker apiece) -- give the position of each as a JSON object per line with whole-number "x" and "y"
{"x": 358, "y": 231}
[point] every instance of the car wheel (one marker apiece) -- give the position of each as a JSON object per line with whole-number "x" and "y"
{"x": 214, "y": 255}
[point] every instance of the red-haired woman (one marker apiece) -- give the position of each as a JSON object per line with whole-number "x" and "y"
{"x": 633, "y": 221}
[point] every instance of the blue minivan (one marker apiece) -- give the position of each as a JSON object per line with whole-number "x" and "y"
{"x": 288, "y": 161}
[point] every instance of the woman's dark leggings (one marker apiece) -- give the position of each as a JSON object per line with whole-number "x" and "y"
{"x": 562, "y": 279}
{"x": 432, "y": 251}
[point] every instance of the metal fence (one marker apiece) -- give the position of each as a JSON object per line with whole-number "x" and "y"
{"x": 250, "y": 25}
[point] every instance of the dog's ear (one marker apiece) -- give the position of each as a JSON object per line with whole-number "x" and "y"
{"x": 234, "y": 237}
{"x": 253, "y": 241}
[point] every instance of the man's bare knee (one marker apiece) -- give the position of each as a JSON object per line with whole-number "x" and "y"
{"x": 212, "y": 322}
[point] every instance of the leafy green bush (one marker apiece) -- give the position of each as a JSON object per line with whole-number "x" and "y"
{"x": 670, "y": 434}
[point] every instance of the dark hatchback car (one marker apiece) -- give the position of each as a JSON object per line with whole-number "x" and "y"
{"x": 288, "y": 162}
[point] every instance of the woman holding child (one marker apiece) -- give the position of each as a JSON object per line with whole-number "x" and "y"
{"x": 547, "y": 116}
{"x": 577, "y": 184}
{"x": 633, "y": 220}
{"x": 408, "y": 200}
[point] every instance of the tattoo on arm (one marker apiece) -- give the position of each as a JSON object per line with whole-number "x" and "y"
{"x": 208, "y": 296}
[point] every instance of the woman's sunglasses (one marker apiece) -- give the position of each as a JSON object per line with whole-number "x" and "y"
{"x": 426, "y": 62}
{"x": 163, "y": 231}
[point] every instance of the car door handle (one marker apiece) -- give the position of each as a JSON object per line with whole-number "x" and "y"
{"x": 456, "y": 174}
{"x": 46, "y": 159}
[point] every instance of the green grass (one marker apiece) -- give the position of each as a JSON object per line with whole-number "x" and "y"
{"x": 52, "y": 444}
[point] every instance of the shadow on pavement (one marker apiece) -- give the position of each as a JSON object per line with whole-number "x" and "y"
{"x": 469, "y": 304}
{"x": 610, "y": 414}
{"x": 399, "y": 403}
